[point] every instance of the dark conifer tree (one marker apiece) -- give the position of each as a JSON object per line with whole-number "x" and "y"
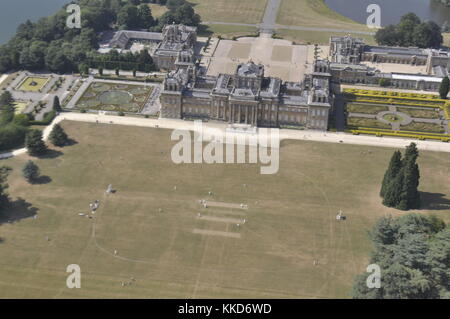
{"x": 57, "y": 136}
{"x": 34, "y": 143}
{"x": 56, "y": 104}
{"x": 394, "y": 168}
{"x": 444, "y": 88}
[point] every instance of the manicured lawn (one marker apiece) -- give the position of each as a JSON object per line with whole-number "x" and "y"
{"x": 423, "y": 127}
{"x": 243, "y": 11}
{"x": 417, "y": 112}
{"x": 114, "y": 97}
{"x": 314, "y": 13}
{"x": 33, "y": 83}
{"x": 290, "y": 220}
{"x": 366, "y": 122}
{"x": 365, "y": 108}
{"x": 157, "y": 10}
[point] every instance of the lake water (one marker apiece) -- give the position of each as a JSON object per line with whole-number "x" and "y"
{"x": 14, "y": 12}
{"x": 392, "y": 10}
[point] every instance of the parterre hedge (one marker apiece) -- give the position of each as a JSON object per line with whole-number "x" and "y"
{"x": 412, "y": 99}
{"x": 409, "y": 134}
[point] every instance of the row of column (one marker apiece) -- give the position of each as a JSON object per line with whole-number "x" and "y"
{"x": 233, "y": 113}
{"x": 248, "y": 111}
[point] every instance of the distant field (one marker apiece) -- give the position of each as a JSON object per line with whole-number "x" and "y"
{"x": 243, "y": 11}
{"x": 157, "y": 10}
{"x": 314, "y": 13}
{"x": 167, "y": 248}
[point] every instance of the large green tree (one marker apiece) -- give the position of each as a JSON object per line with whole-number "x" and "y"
{"x": 411, "y": 31}
{"x": 394, "y": 168}
{"x": 413, "y": 253}
{"x": 4, "y": 172}
{"x": 401, "y": 181}
{"x": 30, "y": 171}
{"x": 128, "y": 17}
{"x": 34, "y": 143}
{"x": 56, "y": 104}
{"x": 57, "y": 136}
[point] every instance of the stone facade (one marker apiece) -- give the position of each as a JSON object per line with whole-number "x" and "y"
{"x": 364, "y": 75}
{"x": 248, "y": 97}
{"x": 349, "y": 50}
{"x": 173, "y": 48}
{"x": 177, "y": 47}
{"x": 348, "y": 54}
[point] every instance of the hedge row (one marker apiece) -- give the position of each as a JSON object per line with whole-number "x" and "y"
{"x": 418, "y": 135}
{"x": 146, "y": 80}
{"x": 447, "y": 112}
{"x": 11, "y": 136}
{"x": 435, "y": 102}
{"x": 413, "y": 96}
{"x": 47, "y": 119}
{"x": 358, "y": 99}
{"x": 425, "y": 103}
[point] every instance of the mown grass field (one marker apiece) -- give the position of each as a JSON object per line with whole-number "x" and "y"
{"x": 157, "y": 9}
{"x": 290, "y": 221}
{"x": 243, "y": 11}
{"x": 314, "y": 13}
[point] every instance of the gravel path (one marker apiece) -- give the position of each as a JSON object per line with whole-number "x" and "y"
{"x": 305, "y": 135}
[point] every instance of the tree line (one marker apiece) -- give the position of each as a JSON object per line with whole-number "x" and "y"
{"x": 50, "y": 44}
{"x": 413, "y": 253}
{"x": 15, "y": 126}
{"x": 139, "y": 61}
{"x": 411, "y": 31}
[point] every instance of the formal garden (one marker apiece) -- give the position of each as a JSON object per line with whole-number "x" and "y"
{"x": 114, "y": 97}
{"x": 33, "y": 84}
{"x": 407, "y": 114}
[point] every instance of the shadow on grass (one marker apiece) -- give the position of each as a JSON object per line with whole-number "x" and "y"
{"x": 44, "y": 179}
{"x": 51, "y": 154}
{"x": 434, "y": 201}
{"x": 17, "y": 210}
{"x": 203, "y": 30}
{"x": 70, "y": 142}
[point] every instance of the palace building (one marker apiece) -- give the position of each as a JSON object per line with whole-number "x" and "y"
{"x": 348, "y": 56}
{"x": 248, "y": 97}
{"x": 172, "y": 48}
